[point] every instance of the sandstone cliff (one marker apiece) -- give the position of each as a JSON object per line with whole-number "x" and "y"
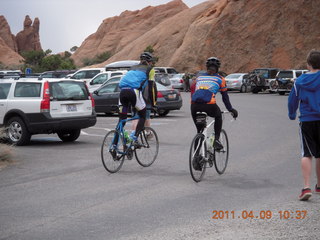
{"x": 8, "y": 57}
{"x": 244, "y": 34}
{"x": 6, "y": 35}
{"x": 121, "y": 31}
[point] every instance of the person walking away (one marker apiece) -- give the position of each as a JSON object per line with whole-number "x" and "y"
{"x": 306, "y": 95}
{"x": 203, "y": 99}
{"x": 186, "y": 79}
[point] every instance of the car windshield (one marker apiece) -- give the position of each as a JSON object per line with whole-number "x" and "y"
{"x": 285, "y": 74}
{"x": 68, "y": 90}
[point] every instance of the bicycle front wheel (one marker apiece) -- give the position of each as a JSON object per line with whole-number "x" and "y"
{"x": 197, "y": 155}
{"x": 112, "y": 159}
{"x": 147, "y": 153}
{"x": 221, "y": 157}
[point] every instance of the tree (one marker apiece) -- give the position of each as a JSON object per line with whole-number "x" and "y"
{"x": 73, "y": 49}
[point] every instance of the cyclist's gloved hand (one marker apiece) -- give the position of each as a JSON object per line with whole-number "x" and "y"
{"x": 234, "y": 113}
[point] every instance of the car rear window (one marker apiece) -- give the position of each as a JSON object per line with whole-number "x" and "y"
{"x": 26, "y": 89}
{"x": 68, "y": 90}
{"x": 4, "y": 90}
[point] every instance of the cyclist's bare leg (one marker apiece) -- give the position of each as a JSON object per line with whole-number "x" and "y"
{"x": 318, "y": 171}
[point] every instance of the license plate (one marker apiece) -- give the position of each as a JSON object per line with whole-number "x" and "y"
{"x": 172, "y": 96}
{"x": 71, "y": 108}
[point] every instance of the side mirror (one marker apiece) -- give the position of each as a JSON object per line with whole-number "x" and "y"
{"x": 96, "y": 92}
{"x": 91, "y": 83}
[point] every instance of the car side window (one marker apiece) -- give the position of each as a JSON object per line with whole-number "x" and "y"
{"x": 298, "y": 73}
{"x": 27, "y": 90}
{"x": 100, "y": 79}
{"x": 109, "y": 88}
{"x": 79, "y": 75}
{"x": 4, "y": 90}
{"x": 91, "y": 73}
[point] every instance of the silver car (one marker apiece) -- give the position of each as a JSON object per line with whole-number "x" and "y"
{"x": 177, "y": 81}
{"x": 235, "y": 81}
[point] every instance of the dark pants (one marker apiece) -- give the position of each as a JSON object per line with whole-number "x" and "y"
{"x": 127, "y": 99}
{"x": 213, "y": 111}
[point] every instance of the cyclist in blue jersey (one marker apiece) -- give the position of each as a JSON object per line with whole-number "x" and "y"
{"x": 203, "y": 93}
{"x": 131, "y": 86}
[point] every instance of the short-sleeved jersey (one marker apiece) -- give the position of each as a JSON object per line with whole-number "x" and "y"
{"x": 213, "y": 83}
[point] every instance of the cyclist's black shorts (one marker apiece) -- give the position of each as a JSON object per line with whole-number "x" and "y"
{"x": 310, "y": 139}
{"x": 212, "y": 110}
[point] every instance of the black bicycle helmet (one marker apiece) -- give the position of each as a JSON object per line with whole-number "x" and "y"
{"x": 213, "y": 61}
{"x": 146, "y": 56}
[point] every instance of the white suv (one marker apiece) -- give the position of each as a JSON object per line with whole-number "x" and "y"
{"x": 32, "y": 106}
{"x": 86, "y": 74}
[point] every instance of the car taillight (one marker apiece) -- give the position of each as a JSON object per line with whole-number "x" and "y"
{"x": 181, "y": 81}
{"x": 159, "y": 95}
{"x": 45, "y": 102}
{"x": 92, "y": 101}
{"x": 91, "y": 97}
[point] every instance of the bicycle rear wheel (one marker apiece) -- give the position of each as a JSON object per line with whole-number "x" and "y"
{"x": 112, "y": 159}
{"x": 221, "y": 157}
{"x": 197, "y": 162}
{"x": 148, "y": 152}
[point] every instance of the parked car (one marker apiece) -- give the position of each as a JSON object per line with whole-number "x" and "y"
{"x": 259, "y": 79}
{"x": 86, "y": 74}
{"x": 103, "y": 77}
{"x": 29, "y": 106}
{"x": 285, "y": 80}
{"x": 107, "y": 99}
{"x": 166, "y": 70}
{"x": 163, "y": 79}
{"x": 56, "y": 74}
{"x": 235, "y": 81}
{"x": 177, "y": 81}
{"x": 121, "y": 65}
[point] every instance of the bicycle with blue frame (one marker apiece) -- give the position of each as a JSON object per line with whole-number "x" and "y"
{"x": 202, "y": 153}
{"x": 117, "y": 146}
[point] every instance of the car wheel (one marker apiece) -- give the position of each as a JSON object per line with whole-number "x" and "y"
{"x": 243, "y": 88}
{"x": 17, "y": 131}
{"x": 69, "y": 135}
{"x": 163, "y": 112}
{"x": 255, "y": 90}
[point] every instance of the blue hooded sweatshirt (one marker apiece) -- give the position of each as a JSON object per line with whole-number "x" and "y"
{"x": 306, "y": 92}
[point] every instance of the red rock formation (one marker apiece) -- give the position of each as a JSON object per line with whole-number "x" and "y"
{"x": 6, "y": 35}
{"x": 28, "y": 39}
{"x": 118, "y": 32}
{"x": 244, "y": 34}
{"x": 8, "y": 57}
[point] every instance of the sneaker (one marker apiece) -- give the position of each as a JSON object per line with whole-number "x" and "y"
{"x": 317, "y": 189}
{"x": 217, "y": 145}
{"x": 195, "y": 163}
{"x": 305, "y": 194}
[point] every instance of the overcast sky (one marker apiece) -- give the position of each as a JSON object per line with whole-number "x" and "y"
{"x": 66, "y": 23}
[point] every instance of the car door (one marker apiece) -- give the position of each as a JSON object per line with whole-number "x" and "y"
{"x": 4, "y": 90}
{"x": 107, "y": 98}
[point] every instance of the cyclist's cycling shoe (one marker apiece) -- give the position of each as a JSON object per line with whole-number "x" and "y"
{"x": 137, "y": 145}
{"x": 196, "y": 163}
{"x": 113, "y": 152}
{"x": 217, "y": 145}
